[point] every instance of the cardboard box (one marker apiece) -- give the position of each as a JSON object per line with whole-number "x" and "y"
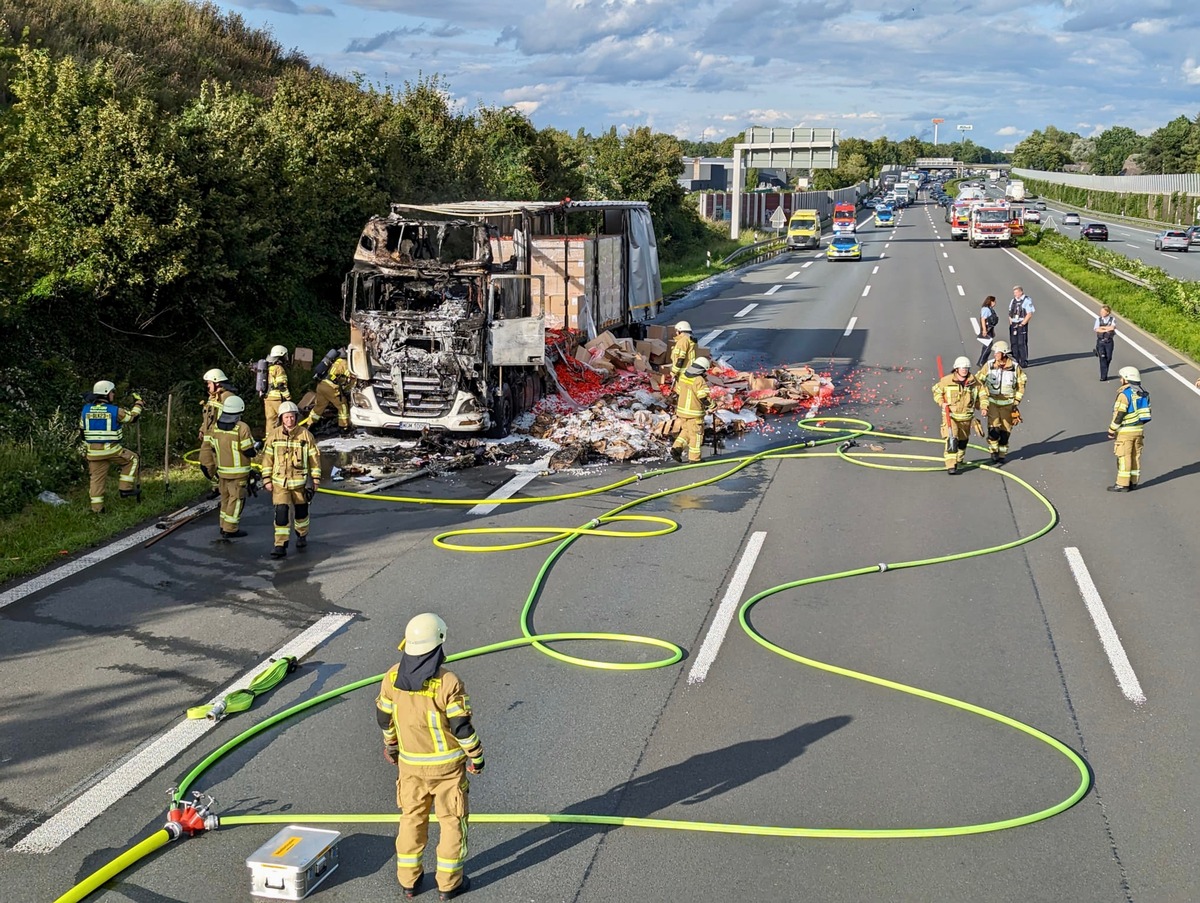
{"x": 777, "y": 405}
{"x": 758, "y": 383}
{"x": 605, "y": 340}
{"x": 626, "y": 345}
{"x": 640, "y": 364}
{"x": 704, "y": 352}
{"x": 303, "y": 358}
{"x": 659, "y": 333}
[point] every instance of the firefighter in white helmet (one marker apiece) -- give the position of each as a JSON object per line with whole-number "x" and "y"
{"x": 958, "y": 393}
{"x": 1131, "y": 413}
{"x": 225, "y": 456}
{"x": 291, "y": 470}
{"x": 101, "y": 421}
{"x": 1004, "y": 382}
{"x": 683, "y": 352}
{"x": 218, "y": 389}
{"x": 425, "y": 716}
{"x": 693, "y": 403}
{"x": 277, "y": 386}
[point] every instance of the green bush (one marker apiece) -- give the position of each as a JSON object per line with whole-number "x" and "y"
{"x": 49, "y": 460}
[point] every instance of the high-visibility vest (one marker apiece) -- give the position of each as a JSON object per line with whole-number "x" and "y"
{"x": 227, "y": 449}
{"x": 101, "y": 424}
{"x": 1005, "y": 385}
{"x": 693, "y": 392}
{"x": 284, "y": 458}
{"x": 961, "y": 398}
{"x": 1131, "y": 412}
{"x": 420, "y": 720}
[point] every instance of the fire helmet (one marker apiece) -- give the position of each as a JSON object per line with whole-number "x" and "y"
{"x": 683, "y": 326}
{"x": 277, "y": 353}
{"x": 702, "y": 362}
{"x": 1130, "y": 374}
{"x": 103, "y": 387}
{"x": 233, "y": 405}
{"x": 215, "y": 375}
{"x": 1000, "y": 346}
{"x": 289, "y": 407}
{"x": 423, "y": 634}
{"x": 962, "y": 362}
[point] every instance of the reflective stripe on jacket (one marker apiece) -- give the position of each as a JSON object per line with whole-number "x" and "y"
{"x": 211, "y": 409}
{"x": 1126, "y": 419}
{"x": 421, "y": 720}
{"x": 339, "y": 375}
{"x": 683, "y": 352}
{"x": 226, "y": 449}
{"x": 277, "y": 383}
{"x": 101, "y": 424}
{"x": 284, "y": 456}
{"x": 961, "y": 397}
{"x": 693, "y": 393}
{"x": 1005, "y": 385}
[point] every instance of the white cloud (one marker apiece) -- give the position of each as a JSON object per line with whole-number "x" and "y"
{"x": 1191, "y": 71}
{"x": 1008, "y": 130}
{"x": 1149, "y": 26}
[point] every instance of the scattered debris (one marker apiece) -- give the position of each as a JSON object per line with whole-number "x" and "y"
{"x": 51, "y": 498}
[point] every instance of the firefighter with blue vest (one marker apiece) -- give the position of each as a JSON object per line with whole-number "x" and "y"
{"x": 225, "y": 455}
{"x": 277, "y": 391}
{"x": 291, "y": 472}
{"x": 1131, "y": 413}
{"x": 693, "y": 403}
{"x": 101, "y": 421}
{"x": 425, "y": 715}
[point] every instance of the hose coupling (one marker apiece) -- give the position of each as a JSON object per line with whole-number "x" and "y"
{"x": 217, "y": 712}
{"x": 593, "y": 524}
{"x": 882, "y": 566}
{"x": 848, "y": 444}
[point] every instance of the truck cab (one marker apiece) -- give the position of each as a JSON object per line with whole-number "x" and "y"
{"x": 845, "y": 218}
{"x": 804, "y": 230}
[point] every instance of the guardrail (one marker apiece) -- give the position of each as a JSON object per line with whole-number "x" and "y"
{"x": 761, "y": 250}
{"x": 1120, "y": 274}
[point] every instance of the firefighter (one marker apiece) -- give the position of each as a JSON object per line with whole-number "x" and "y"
{"x": 1004, "y": 381}
{"x": 333, "y": 390}
{"x": 693, "y": 404}
{"x": 220, "y": 389}
{"x": 291, "y": 468}
{"x": 683, "y": 352}
{"x": 1131, "y": 413}
{"x": 958, "y": 393}
{"x": 101, "y": 421}
{"x": 277, "y": 387}
{"x": 425, "y": 715}
{"x": 225, "y": 456}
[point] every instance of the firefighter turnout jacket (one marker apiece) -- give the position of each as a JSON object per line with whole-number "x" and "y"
{"x": 1131, "y": 412}
{"x": 277, "y": 383}
{"x": 961, "y": 397}
{"x": 211, "y": 407}
{"x": 430, "y": 727}
{"x": 228, "y": 451}
{"x": 683, "y": 352}
{"x": 289, "y": 459}
{"x": 693, "y": 396}
{"x": 1005, "y": 383}
{"x": 102, "y": 422}
{"x": 339, "y": 375}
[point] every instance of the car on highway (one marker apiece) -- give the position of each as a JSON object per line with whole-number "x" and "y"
{"x": 1094, "y": 232}
{"x": 1032, "y": 216}
{"x": 1040, "y": 205}
{"x": 1070, "y": 219}
{"x": 844, "y": 247}
{"x": 1193, "y": 234}
{"x": 1171, "y": 240}
{"x": 884, "y": 216}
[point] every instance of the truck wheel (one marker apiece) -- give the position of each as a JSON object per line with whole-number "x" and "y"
{"x": 502, "y": 416}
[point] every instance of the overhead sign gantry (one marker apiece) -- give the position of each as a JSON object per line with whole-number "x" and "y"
{"x": 779, "y": 148}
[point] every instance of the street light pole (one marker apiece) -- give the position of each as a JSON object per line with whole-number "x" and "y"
{"x": 936, "y": 123}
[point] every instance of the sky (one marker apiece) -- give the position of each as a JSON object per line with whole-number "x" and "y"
{"x": 707, "y": 69}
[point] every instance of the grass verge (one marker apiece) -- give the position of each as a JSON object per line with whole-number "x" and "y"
{"x": 693, "y": 265}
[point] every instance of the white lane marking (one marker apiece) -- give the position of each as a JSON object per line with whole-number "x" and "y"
{"x": 513, "y": 486}
{"x": 805, "y": 266}
{"x": 942, "y": 245}
{"x": 818, "y": 256}
{"x": 960, "y": 291}
{"x": 773, "y": 289}
{"x": 706, "y": 342}
{"x": 866, "y": 290}
{"x": 794, "y": 275}
{"x": 725, "y": 612}
{"x": 951, "y": 269}
{"x": 887, "y": 244}
{"x": 745, "y": 310}
{"x": 40, "y": 582}
{"x": 1126, "y": 678}
{"x": 850, "y": 326}
{"x": 882, "y": 255}
{"x": 159, "y": 752}
{"x": 944, "y": 254}
{"x": 876, "y": 270}
{"x": 1169, "y": 371}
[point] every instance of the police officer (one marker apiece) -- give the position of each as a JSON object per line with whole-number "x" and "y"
{"x": 101, "y": 421}
{"x": 277, "y": 387}
{"x": 958, "y": 392}
{"x": 333, "y": 391}
{"x": 291, "y": 470}
{"x": 219, "y": 390}
{"x": 683, "y": 352}
{"x": 225, "y": 454}
{"x": 1004, "y": 381}
{"x": 425, "y": 716}
{"x": 1131, "y": 413}
{"x": 1020, "y": 312}
{"x": 1105, "y": 329}
{"x": 988, "y": 318}
{"x": 693, "y": 403}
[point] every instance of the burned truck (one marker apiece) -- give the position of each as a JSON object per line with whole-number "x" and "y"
{"x": 448, "y": 305}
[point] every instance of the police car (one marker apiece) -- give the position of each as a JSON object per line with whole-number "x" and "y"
{"x": 844, "y": 247}
{"x": 884, "y": 216}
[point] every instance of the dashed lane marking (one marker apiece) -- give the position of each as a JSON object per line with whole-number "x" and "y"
{"x": 1127, "y": 680}
{"x": 866, "y": 290}
{"x": 745, "y": 310}
{"x": 528, "y": 474}
{"x": 773, "y": 289}
{"x": 850, "y": 326}
{"x": 725, "y": 612}
{"x": 960, "y": 290}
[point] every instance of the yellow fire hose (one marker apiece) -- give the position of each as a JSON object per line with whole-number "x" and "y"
{"x": 844, "y": 431}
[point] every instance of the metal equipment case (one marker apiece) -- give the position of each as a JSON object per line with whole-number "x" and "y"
{"x": 291, "y": 864}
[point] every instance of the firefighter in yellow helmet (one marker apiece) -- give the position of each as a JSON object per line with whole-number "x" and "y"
{"x": 1131, "y": 413}
{"x": 101, "y": 421}
{"x": 683, "y": 352}
{"x": 958, "y": 393}
{"x": 218, "y": 390}
{"x": 693, "y": 403}
{"x": 225, "y": 456}
{"x": 291, "y": 469}
{"x": 425, "y": 715}
{"x": 277, "y": 387}
{"x": 333, "y": 391}
{"x": 1004, "y": 382}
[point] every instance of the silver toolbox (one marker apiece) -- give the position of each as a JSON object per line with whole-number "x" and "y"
{"x": 291, "y": 864}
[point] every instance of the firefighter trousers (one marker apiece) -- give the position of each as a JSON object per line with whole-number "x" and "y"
{"x": 233, "y": 500}
{"x": 691, "y": 436}
{"x": 417, "y": 791}
{"x": 98, "y": 469}
{"x": 1129, "y": 459}
{"x": 286, "y": 501}
{"x": 999, "y": 427}
{"x": 961, "y": 431}
{"x": 329, "y": 397}
{"x": 271, "y": 412}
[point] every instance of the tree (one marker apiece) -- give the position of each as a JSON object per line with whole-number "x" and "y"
{"x": 1164, "y": 151}
{"x": 1041, "y": 153}
{"x": 1112, "y": 147}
